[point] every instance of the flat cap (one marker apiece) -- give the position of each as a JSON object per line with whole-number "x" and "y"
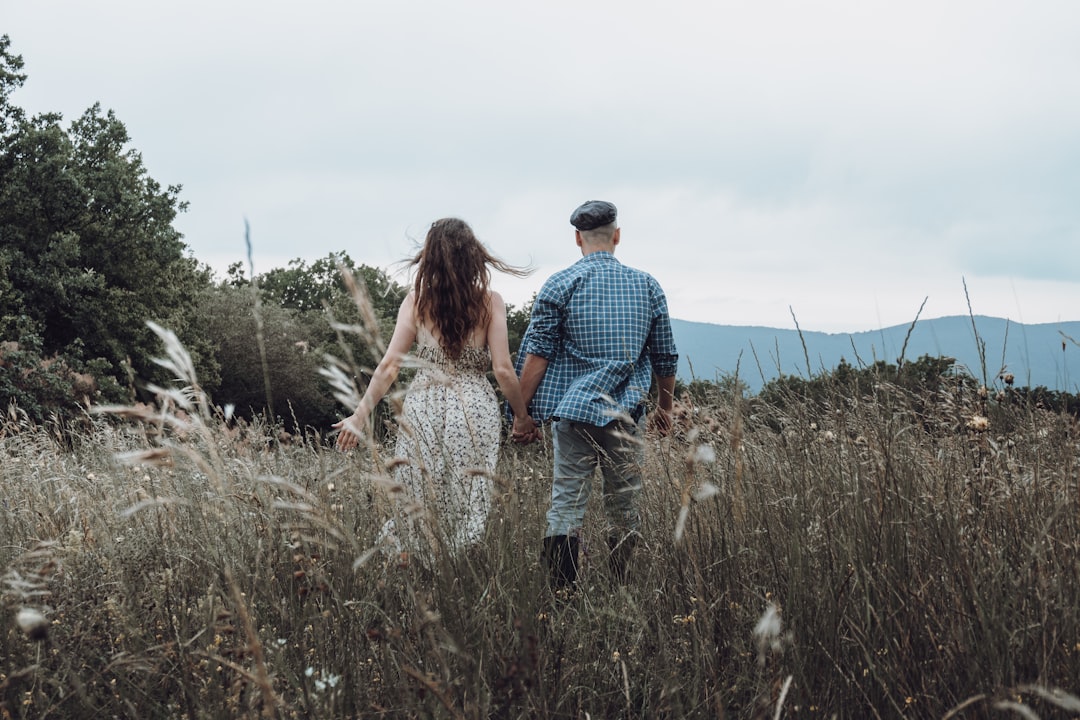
{"x": 593, "y": 214}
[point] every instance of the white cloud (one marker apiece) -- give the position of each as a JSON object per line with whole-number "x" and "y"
{"x": 844, "y": 159}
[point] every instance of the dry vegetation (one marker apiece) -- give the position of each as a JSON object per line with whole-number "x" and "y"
{"x": 880, "y": 556}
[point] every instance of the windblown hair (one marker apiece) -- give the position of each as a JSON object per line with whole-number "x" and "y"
{"x": 453, "y": 274}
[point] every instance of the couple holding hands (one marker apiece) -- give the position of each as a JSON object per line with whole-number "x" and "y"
{"x": 598, "y": 333}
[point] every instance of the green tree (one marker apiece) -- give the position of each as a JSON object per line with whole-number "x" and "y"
{"x": 300, "y": 399}
{"x": 11, "y": 79}
{"x": 297, "y": 305}
{"x": 320, "y": 286}
{"x": 924, "y": 380}
{"x": 337, "y": 305}
{"x": 88, "y": 252}
{"x": 306, "y": 287}
{"x": 517, "y": 321}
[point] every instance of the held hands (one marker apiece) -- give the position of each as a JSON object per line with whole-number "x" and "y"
{"x": 351, "y": 428}
{"x": 525, "y": 430}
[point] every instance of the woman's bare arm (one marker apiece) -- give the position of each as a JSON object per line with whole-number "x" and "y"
{"x": 383, "y": 377}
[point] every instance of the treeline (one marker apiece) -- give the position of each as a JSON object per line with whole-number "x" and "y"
{"x": 926, "y": 388}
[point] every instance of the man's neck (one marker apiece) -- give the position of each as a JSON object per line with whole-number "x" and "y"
{"x": 588, "y": 249}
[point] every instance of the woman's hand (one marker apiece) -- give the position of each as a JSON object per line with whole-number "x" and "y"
{"x": 525, "y": 430}
{"x": 351, "y": 429}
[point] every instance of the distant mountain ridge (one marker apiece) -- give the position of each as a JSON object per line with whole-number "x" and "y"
{"x": 1036, "y": 354}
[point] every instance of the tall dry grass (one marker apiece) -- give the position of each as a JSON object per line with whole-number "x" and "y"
{"x": 879, "y": 556}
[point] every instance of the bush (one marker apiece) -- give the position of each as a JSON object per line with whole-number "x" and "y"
{"x": 42, "y": 388}
{"x": 280, "y": 373}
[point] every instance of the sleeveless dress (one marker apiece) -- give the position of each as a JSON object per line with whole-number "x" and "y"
{"x": 446, "y": 451}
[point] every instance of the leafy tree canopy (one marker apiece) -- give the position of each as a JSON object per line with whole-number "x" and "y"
{"x": 88, "y": 252}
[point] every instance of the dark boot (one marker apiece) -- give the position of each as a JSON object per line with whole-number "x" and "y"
{"x": 619, "y": 558}
{"x": 561, "y": 554}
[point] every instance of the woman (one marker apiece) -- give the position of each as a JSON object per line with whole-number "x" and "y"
{"x": 449, "y": 428}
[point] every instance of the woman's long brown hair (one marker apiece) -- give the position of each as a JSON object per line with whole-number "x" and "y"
{"x": 452, "y": 280}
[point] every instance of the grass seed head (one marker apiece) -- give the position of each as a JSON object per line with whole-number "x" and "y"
{"x": 32, "y": 622}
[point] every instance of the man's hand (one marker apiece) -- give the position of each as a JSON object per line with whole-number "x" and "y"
{"x": 660, "y": 420}
{"x": 525, "y": 430}
{"x": 661, "y": 417}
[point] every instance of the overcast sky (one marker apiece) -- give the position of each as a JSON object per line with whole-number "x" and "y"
{"x": 839, "y": 161}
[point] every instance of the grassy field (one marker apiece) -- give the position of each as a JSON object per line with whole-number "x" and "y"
{"x": 860, "y": 557}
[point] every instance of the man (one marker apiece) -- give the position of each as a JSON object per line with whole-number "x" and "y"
{"x": 598, "y": 333}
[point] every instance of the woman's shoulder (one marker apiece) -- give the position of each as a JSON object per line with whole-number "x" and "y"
{"x": 409, "y": 301}
{"x": 407, "y": 310}
{"x": 495, "y": 307}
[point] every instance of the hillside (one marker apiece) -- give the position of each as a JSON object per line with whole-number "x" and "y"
{"x": 1037, "y": 354}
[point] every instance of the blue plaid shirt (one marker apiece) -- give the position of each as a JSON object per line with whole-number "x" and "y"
{"x": 604, "y": 329}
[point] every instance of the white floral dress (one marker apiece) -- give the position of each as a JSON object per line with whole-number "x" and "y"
{"x": 447, "y": 447}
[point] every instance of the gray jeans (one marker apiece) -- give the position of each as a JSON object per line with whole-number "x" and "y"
{"x": 618, "y": 450}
